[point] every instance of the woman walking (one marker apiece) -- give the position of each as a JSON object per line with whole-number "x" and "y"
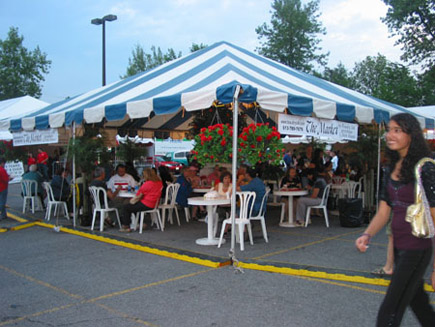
{"x": 412, "y": 255}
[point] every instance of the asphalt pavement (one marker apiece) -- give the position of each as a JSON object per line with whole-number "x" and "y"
{"x": 303, "y": 277}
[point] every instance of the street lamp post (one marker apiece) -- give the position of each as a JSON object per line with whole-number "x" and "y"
{"x": 102, "y": 21}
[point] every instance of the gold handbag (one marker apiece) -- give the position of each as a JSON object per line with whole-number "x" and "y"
{"x": 418, "y": 214}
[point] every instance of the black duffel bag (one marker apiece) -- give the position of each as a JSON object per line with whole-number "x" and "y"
{"x": 350, "y": 212}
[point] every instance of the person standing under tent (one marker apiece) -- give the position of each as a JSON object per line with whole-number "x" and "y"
{"x": 4, "y": 183}
{"x": 42, "y": 161}
{"x": 412, "y": 255}
{"x": 334, "y": 160}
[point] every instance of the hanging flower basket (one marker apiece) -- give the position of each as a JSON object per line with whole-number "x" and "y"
{"x": 214, "y": 144}
{"x": 260, "y": 143}
{"x": 257, "y": 143}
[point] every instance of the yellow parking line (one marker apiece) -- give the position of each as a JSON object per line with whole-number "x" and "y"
{"x": 21, "y": 220}
{"x": 23, "y": 226}
{"x": 143, "y": 248}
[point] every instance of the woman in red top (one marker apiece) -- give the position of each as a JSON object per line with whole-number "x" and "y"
{"x": 31, "y": 160}
{"x": 151, "y": 191}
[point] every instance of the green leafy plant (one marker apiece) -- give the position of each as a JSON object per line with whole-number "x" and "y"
{"x": 130, "y": 151}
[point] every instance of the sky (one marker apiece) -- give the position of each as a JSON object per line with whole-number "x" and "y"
{"x": 62, "y": 29}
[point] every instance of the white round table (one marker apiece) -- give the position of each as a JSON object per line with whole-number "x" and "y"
{"x": 126, "y": 194}
{"x": 290, "y": 194}
{"x": 201, "y": 189}
{"x": 210, "y": 204}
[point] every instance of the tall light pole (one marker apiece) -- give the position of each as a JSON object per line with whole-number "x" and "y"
{"x": 102, "y": 21}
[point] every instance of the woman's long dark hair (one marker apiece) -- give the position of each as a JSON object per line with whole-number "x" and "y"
{"x": 418, "y": 147}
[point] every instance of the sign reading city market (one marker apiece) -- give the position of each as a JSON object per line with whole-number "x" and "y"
{"x": 315, "y": 127}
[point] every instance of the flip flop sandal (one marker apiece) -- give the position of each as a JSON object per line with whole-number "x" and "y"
{"x": 380, "y": 272}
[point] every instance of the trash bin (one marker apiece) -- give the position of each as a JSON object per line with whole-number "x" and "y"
{"x": 350, "y": 212}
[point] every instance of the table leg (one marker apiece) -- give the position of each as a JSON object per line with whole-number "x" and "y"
{"x": 210, "y": 240}
{"x": 290, "y": 222}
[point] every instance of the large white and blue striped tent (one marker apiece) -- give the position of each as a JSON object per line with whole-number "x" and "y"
{"x": 168, "y": 93}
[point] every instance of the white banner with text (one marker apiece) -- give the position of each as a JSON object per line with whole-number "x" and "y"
{"x": 15, "y": 169}
{"x": 315, "y": 127}
{"x": 45, "y": 136}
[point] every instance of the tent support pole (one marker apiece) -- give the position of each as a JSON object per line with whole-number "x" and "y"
{"x": 234, "y": 170}
{"x": 74, "y": 175}
{"x": 379, "y": 166}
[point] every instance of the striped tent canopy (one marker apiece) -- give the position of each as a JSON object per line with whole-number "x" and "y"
{"x": 164, "y": 97}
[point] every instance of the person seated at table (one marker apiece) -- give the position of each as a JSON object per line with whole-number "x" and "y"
{"x": 166, "y": 178}
{"x": 314, "y": 196}
{"x": 291, "y": 179}
{"x": 254, "y": 184}
{"x": 150, "y": 193}
{"x": 328, "y": 172}
{"x": 61, "y": 188}
{"x": 241, "y": 174}
{"x": 224, "y": 188}
{"x": 214, "y": 176}
{"x": 186, "y": 188}
{"x": 34, "y": 175}
{"x": 121, "y": 180}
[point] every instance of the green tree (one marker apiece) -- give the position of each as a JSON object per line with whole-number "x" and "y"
{"x": 142, "y": 61}
{"x": 386, "y": 80}
{"x": 426, "y": 83}
{"x": 21, "y": 70}
{"x": 414, "y": 23}
{"x": 338, "y": 75}
{"x": 292, "y": 39}
{"x": 196, "y": 47}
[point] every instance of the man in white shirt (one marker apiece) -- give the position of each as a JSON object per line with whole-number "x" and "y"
{"x": 334, "y": 160}
{"x": 119, "y": 182}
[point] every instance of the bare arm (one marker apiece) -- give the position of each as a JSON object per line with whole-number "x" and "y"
{"x": 432, "y": 211}
{"x": 378, "y": 221}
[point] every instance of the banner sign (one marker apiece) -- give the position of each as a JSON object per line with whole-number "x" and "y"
{"x": 15, "y": 170}
{"x": 315, "y": 127}
{"x": 164, "y": 146}
{"x": 45, "y": 136}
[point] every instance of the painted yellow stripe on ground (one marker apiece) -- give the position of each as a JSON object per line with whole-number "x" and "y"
{"x": 40, "y": 282}
{"x": 93, "y": 300}
{"x": 21, "y": 220}
{"x": 138, "y": 247}
{"x": 322, "y": 275}
{"x": 2, "y": 230}
{"x": 23, "y": 226}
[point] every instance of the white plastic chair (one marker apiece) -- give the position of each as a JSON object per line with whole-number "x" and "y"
{"x": 155, "y": 218}
{"x": 246, "y": 200}
{"x": 262, "y": 213}
{"x": 322, "y": 205}
{"x": 101, "y": 208}
{"x": 169, "y": 204}
{"x": 29, "y": 188}
{"x": 352, "y": 188}
{"x": 52, "y": 202}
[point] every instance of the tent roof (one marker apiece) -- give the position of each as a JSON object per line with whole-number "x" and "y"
{"x": 195, "y": 81}
{"x": 427, "y": 111}
{"x": 18, "y": 107}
